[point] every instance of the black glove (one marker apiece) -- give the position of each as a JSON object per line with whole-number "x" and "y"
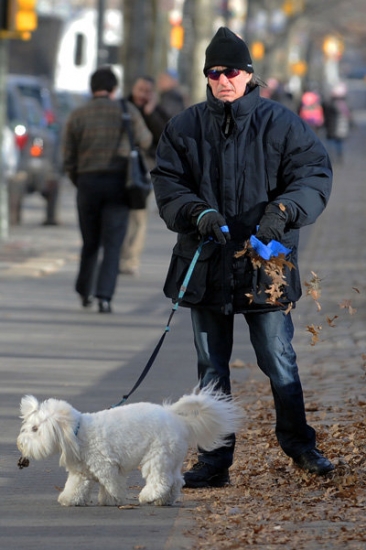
{"x": 210, "y": 224}
{"x": 272, "y": 224}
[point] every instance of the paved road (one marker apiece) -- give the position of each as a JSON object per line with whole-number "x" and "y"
{"x": 49, "y": 346}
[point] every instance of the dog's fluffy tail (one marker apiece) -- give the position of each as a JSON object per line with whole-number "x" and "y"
{"x": 210, "y": 416}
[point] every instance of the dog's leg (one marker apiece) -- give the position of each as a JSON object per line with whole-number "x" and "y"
{"x": 177, "y": 485}
{"x": 112, "y": 489}
{"x": 77, "y": 491}
{"x": 164, "y": 481}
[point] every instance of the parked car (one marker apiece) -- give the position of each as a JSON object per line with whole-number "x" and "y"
{"x": 31, "y": 116}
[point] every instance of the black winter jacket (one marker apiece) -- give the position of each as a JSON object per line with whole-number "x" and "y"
{"x": 270, "y": 155}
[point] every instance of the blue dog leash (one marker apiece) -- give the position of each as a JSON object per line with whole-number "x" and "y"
{"x": 182, "y": 291}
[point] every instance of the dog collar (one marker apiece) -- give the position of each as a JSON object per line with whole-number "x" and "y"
{"x": 76, "y": 431}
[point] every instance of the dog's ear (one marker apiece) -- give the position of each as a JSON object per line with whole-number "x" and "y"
{"x": 28, "y": 405}
{"x": 70, "y": 448}
{"x": 62, "y": 416}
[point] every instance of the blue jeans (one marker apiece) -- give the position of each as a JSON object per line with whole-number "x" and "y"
{"x": 271, "y": 334}
{"x": 335, "y": 147}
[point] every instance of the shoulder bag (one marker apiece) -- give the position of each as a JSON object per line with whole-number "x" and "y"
{"x": 138, "y": 180}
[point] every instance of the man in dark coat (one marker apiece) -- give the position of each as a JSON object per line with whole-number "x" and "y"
{"x": 95, "y": 159}
{"x": 224, "y": 167}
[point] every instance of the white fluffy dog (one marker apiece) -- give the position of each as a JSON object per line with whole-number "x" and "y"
{"x": 105, "y": 446}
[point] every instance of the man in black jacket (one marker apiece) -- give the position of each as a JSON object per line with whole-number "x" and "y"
{"x": 224, "y": 167}
{"x": 95, "y": 159}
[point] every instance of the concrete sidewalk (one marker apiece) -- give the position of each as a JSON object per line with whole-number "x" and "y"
{"x": 50, "y": 347}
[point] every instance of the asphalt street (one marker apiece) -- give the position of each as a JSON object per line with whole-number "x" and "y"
{"x": 51, "y": 347}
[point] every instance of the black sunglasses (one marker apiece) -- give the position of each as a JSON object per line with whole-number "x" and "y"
{"x": 215, "y": 74}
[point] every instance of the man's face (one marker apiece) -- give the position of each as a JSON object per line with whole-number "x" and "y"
{"x": 142, "y": 92}
{"x": 229, "y": 89}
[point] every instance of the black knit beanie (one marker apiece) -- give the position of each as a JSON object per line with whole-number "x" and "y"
{"x": 226, "y": 49}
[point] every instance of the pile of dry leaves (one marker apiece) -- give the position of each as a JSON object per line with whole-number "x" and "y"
{"x": 270, "y": 502}
{"x": 274, "y": 268}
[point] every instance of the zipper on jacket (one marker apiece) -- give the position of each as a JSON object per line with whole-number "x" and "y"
{"x": 228, "y": 124}
{"x": 227, "y": 296}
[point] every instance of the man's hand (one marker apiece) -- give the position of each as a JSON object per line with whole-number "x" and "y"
{"x": 211, "y": 224}
{"x": 151, "y": 104}
{"x": 272, "y": 224}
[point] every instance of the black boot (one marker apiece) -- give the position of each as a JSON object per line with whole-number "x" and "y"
{"x": 314, "y": 462}
{"x": 105, "y": 306}
{"x": 86, "y": 301}
{"x": 206, "y": 475}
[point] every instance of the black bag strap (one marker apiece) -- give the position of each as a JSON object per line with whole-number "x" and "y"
{"x": 126, "y": 117}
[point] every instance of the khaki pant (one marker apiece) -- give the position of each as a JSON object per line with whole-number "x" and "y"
{"x": 134, "y": 241}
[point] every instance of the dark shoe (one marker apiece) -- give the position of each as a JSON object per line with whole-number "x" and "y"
{"x": 105, "y": 306}
{"x": 206, "y": 475}
{"x": 50, "y": 223}
{"x": 86, "y": 301}
{"x": 314, "y": 462}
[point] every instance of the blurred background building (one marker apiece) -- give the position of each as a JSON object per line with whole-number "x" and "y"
{"x": 299, "y": 42}
{"x": 296, "y": 45}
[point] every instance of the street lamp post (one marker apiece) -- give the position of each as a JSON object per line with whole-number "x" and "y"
{"x": 101, "y": 51}
{"x": 4, "y": 213}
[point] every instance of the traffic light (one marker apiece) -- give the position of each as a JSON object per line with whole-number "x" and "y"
{"x": 257, "y": 50}
{"x": 18, "y": 16}
{"x": 177, "y": 37}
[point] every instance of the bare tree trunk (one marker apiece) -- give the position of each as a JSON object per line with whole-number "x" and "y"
{"x": 159, "y": 39}
{"x": 203, "y": 32}
{"x": 144, "y": 49}
{"x": 198, "y": 18}
{"x": 135, "y": 41}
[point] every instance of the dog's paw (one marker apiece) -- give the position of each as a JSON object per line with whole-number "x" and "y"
{"x": 162, "y": 502}
{"x": 66, "y": 501}
{"x": 162, "y": 495}
{"x": 157, "y": 502}
{"x": 111, "y": 501}
{"x": 155, "y": 499}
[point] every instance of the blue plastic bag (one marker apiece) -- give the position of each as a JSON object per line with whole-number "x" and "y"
{"x": 270, "y": 250}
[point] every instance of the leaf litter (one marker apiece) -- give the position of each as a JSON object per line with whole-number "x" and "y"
{"x": 271, "y": 502}
{"x": 314, "y": 291}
